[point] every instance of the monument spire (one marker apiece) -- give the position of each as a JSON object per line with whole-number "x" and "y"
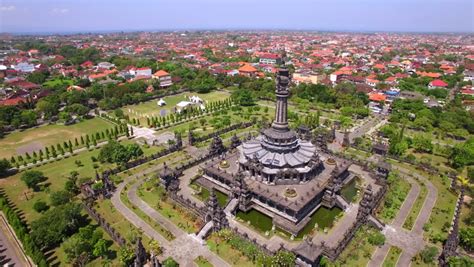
{"x": 282, "y": 93}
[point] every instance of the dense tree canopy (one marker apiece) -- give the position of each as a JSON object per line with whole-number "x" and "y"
{"x": 56, "y": 224}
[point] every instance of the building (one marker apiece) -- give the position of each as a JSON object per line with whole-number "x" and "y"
{"x": 248, "y": 70}
{"x": 436, "y": 84}
{"x": 300, "y": 77}
{"x": 164, "y": 78}
{"x": 280, "y": 174}
{"x": 105, "y": 65}
{"x": 271, "y": 59}
{"x": 24, "y": 67}
{"x": 141, "y": 72}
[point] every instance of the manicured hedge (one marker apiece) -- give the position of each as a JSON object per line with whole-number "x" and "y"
{"x": 22, "y": 233}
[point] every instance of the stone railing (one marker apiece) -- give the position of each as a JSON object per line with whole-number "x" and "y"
{"x": 104, "y": 224}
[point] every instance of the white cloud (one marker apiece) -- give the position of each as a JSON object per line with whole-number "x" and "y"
{"x": 60, "y": 10}
{"x": 7, "y": 8}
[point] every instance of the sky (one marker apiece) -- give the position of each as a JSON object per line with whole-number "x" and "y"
{"x": 64, "y": 16}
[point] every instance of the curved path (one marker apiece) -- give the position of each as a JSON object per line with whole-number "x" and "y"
{"x": 184, "y": 249}
{"x": 411, "y": 242}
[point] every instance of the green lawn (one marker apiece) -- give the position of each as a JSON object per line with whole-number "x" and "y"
{"x": 37, "y": 138}
{"x": 392, "y": 257}
{"x": 151, "y": 108}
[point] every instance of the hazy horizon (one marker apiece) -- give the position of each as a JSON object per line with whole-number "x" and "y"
{"x": 84, "y": 16}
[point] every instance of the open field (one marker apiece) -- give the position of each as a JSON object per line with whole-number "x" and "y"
{"x": 37, "y": 138}
{"x": 57, "y": 173}
{"x": 151, "y": 109}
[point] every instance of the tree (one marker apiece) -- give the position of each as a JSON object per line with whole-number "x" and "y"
{"x": 37, "y": 77}
{"x": 33, "y": 178}
{"x": 466, "y": 238}
{"x": 40, "y": 206}
{"x": 75, "y": 247}
{"x": 48, "y": 107}
{"x": 463, "y": 154}
{"x": 100, "y": 248}
{"x": 377, "y": 239}
{"x": 126, "y": 256}
{"x": 5, "y": 165}
{"x": 428, "y": 254}
{"x": 134, "y": 150}
{"x": 422, "y": 144}
{"x": 59, "y": 197}
{"x": 55, "y": 224}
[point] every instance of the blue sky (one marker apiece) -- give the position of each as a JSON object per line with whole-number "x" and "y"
{"x": 333, "y": 15}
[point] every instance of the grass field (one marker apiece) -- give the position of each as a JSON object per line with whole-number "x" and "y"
{"x": 37, "y": 138}
{"x": 392, "y": 257}
{"x": 150, "y": 108}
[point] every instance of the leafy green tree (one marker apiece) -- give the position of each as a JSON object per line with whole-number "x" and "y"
{"x": 126, "y": 256}
{"x": 100, "y": 248}
{"x": 55, "y": 224}
{"x": 377, "y": 239}
{"x": 428, "y": 254}
{"x": 37, "y": 77}
{"x": 466, "y": 236}
{"x": 75, "y": 247}
{"x": 422, "y": 143}
{"x": 59, "y": 197}
{"x": 40, "y": 206}
{"x": 4, "y": 167}
{"x": 463, "y": 154}
{"x": 32, "y": 179}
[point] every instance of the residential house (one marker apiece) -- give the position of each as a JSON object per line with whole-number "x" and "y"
{"x": 248, "y": 70}
{"x": 164, "y": 78}
{"x": 436, "y": 84}
{"x": 271, "y": 59}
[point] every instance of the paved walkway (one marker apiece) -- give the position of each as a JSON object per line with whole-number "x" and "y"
{"x": 184, "y": 248}
{"x": 411, "y": 242}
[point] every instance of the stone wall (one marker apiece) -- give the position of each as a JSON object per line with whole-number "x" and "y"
{"x": 104, "y": 224}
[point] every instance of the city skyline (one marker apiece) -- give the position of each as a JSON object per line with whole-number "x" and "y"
{"x": 26, "y": 16}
